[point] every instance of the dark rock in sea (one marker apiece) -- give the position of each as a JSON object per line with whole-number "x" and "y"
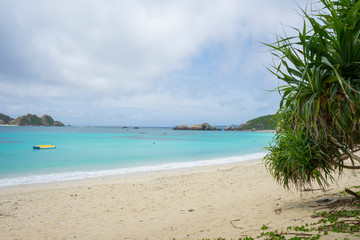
{"x": 231, "y": 129}
{"x": 197, "y": 127}
{"x": 136, "y": 127}
{"x": 181, "y": 127}
{"x": 208, "y": 127}
{"x": 243, "y": 126}
{"x": 58, "y": 124}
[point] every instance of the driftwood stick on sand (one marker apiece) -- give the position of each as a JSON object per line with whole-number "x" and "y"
{"x": 352, "y": 193}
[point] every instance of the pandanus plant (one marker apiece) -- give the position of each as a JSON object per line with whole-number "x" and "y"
{"x": 319, "y": 129}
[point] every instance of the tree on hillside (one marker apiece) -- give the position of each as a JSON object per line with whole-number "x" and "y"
{"x": 319, "y": 128}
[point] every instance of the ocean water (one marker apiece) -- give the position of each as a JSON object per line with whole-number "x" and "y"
{"x": 83, "y": 152}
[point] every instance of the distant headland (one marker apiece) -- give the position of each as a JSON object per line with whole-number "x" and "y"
{"x": 263, "y": 123}
{"x": 29, "y": 120}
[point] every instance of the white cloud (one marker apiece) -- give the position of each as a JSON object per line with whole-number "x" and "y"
{"x": 118, "y": 54}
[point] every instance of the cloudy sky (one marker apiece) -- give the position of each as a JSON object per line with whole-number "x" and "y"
{"x": 147, "y": 63}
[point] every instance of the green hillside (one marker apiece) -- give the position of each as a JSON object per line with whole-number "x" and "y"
{"x": 29, "y": 120}
{"x": 5, "y": 119}
{"x": 267, "y": 122}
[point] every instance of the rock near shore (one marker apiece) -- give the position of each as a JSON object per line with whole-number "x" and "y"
{"x": 197, "y": 127}
{"x": 181, "y": 127}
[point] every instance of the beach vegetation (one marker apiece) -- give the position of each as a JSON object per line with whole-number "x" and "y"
{"x": 318, "y": 117}
{"x": 333, "y": 221}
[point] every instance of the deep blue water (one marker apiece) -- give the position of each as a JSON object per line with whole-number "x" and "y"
{"x": 97, "y": 151}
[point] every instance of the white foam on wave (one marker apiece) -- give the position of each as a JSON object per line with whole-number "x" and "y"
{"x": 59, "y": 177}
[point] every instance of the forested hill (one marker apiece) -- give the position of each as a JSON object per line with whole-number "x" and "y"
{"x": 267, "y": 122}
{"x": 29, "y": 120}
{"x": 5, "y": 119}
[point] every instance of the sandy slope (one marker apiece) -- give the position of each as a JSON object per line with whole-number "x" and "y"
{"x": 227, "y": 201}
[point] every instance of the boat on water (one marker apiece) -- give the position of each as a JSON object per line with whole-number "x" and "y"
{"x": 44, "y": 146}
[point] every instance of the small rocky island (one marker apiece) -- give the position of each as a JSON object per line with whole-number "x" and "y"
{"x": 197, "y": 127}
{"x": 29, "y": 120}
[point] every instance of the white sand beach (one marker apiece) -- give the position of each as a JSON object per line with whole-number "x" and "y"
{"x": 228, "y": 201}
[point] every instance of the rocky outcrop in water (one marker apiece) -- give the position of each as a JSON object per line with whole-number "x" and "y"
{"x": 181, "y": 127}
{"x": 197, "y": 127}
{"x": 204, "y": 126}
{"x": 231, "y": 129}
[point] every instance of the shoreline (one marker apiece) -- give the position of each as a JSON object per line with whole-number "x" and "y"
{"x": 267, "y": 131}
{"x": 80, "y": 175}
{"x": 229, "y": 201}
{"x": 223, "y": 130}
{"x": 127, "y": 177}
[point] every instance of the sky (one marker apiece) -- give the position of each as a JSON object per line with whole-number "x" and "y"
{"x": 141, "y": 63}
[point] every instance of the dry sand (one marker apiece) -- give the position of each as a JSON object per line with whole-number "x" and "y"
{"x": 228, "y": 201}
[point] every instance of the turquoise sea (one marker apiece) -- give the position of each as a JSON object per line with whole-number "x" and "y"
{"x": 84, "y": 151}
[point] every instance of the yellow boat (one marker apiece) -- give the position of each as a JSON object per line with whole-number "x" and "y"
{"x": 44, "y": 146}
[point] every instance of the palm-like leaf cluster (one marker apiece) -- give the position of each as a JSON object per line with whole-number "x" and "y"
{"x": 319, "y": 113}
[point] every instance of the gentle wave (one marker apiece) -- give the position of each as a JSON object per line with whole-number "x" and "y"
{"x": 59, "y": 177}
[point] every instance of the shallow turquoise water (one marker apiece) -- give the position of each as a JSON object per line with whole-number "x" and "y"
{"x": 96, "y": 151}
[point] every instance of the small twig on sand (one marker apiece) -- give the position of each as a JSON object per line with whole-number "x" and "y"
{"x": 352, "y": 193}
{"x": 301, "y": 234}
{"x": 232, "y": 222}
{"x": 313, "y": 190}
